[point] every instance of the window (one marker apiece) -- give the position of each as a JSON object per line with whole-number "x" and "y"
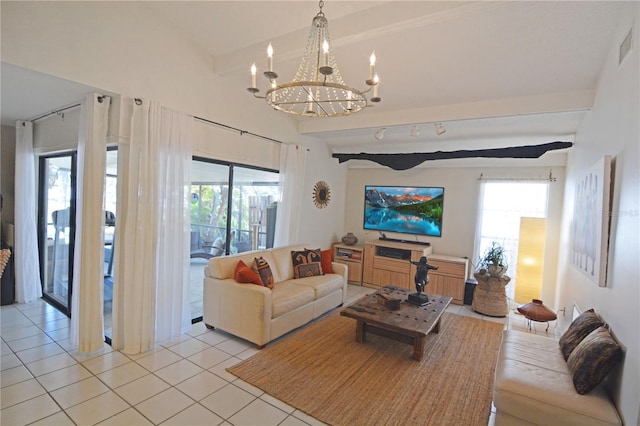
{"x": 57, "y": 191}
{"x": 502, "y": 204}
{"x": 232, "y": 211}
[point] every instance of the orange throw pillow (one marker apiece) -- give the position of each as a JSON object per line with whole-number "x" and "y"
{"x": 244, "y": 274}
{"x": 326, "y": 257}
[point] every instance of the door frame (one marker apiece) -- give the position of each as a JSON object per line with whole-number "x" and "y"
{"x": 42, "y": 225}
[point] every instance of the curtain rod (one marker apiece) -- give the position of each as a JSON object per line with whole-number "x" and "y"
{"x": 138, "y": 101}
{"x": 550, "y": 178}
{"x": 63, "y": 109}
{"x": 242, "y": 132}
{"x": 57, "y": 111}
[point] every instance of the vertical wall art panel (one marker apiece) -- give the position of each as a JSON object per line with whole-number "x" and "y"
{"x": 590, "y": 225}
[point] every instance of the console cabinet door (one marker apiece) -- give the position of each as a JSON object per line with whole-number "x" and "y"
{"x": 449, "y": 278}
{"x": 381, "y": 270}
{"x": 369, "y": 253}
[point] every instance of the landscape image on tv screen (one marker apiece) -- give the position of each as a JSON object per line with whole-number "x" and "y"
{"x": 407, "y": 210}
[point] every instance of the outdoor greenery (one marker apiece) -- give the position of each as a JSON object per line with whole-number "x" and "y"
{"x": 209, "y": 215}
{"x": 209, "y": 207}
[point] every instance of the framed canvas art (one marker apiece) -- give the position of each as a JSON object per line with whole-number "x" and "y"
{"x": 590, "y": 223}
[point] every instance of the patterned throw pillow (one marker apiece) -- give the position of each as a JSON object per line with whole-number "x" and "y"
{"x": 306, "y": 263}
{"x": 326, "y": 257}
{"x": 244, "y": 274}
{"x": 593, "y": 359}
{"x": 578, "y": 330}
{"x": 262, "y": 268}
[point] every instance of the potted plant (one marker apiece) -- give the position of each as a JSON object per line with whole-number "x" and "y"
{"x": 493, "y": 260}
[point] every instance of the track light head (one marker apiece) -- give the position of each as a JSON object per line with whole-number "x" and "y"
{"x": 440, "y": 130}
{"x": 414, "y": 131}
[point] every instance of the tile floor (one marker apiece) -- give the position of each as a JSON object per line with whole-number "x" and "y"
{"x": 45, "y": 382}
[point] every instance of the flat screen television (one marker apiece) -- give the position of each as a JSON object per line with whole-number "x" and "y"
{"x": 406, "y": 210}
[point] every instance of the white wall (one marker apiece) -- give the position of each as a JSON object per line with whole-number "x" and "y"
{"x": 461, "y": 188}
{"x": 325, "y": 225}
{"x": 121, "y": 48}
{"x": 612, "y": 128}
{"x": 56, "y": 133}
{"x": 7, "y": 173}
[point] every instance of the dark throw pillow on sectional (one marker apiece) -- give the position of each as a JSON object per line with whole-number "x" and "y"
{"x": 578, "y": 330}
{"x": 593, "y": 359}
{"x": 306, "y": 263}
{"x": 262, "y": 268}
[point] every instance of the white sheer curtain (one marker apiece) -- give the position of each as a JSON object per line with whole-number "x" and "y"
{"x": 501, "y": 204}
{"x": 26, "y": 259}
{"x": 170, "y": 134}
{"x": 87, "y": 322}
{"x": 151, "y": 286}
{"x": 292, "y": 162}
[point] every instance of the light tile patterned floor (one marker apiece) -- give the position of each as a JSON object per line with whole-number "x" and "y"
{"x": 183, "y": 383}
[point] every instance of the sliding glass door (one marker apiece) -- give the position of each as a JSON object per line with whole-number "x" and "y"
{"x": 209, "y": 212}
{"x": 254, "y": 195}
{"x": 57, "y": 228}
{"x": 232, "y": 211}
{"x": 110, "y": 199}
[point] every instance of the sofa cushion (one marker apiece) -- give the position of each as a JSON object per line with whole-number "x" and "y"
{"x": 262, "y": 268}
{"x": 578, "y": 330}
{"x": 306, "y": 263}
{"x": 593, "y": 358}
{"x": 533, "y": 350}
{"x": 288, "y": 296}
{"x": 322, "y": 284}
{"x": 326, "y": 257}
{"x": 245, "y": 275}
{"x": 533, "y": 383}
{"x": 282, "y": 265}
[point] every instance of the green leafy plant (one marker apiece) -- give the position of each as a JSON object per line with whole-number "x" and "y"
{"x": 495, "y": 257}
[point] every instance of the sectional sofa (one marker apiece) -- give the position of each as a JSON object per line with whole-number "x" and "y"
{"x": 542, "y": 381}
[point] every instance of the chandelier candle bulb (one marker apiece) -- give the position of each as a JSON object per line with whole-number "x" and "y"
{"x": 325, "y": 50}
{"x": 270, "y": 57}
{"x": 310, "y": 103}
{"x": 372, "y": 64}
{"x": 253, "y": 76}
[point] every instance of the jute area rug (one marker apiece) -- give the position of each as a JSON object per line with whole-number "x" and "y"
{"x": 323, "y": 371}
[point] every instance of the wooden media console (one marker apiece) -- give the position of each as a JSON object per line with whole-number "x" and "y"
{"x": 388, "y": 263}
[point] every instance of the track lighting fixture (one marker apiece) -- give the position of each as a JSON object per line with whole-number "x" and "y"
{"x": 440, "y": 130}
{"x": 415, "y": 131}
{"x": 380, "y": 133}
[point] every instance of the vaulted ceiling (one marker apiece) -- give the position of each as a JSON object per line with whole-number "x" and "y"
{"x": 493, "y": 73}
{"x": 498, "y": 73}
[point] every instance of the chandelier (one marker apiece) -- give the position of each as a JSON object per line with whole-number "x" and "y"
{"x": 317, "y": 89}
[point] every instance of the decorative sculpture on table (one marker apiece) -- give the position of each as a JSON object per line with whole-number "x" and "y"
{"x": 422, "y": 279}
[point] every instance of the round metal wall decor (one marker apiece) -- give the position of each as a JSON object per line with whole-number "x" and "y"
{"x": 321, "y": 194}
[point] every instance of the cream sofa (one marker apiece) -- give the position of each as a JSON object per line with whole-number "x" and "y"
{"x": 533, "y": 385}
{"x": 259, "y": 314}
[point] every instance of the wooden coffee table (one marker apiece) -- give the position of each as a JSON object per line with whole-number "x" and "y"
{"x": 410, "y": 324}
